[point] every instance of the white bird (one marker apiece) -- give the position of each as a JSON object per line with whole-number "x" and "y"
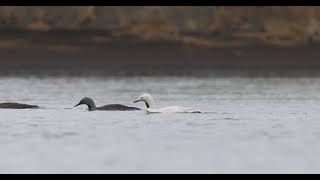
{"x": 147, "y": 98}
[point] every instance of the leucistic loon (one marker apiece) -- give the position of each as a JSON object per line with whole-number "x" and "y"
{"x": 147, "y": 98}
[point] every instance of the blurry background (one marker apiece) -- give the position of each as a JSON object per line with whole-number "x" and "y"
{"x": 159, "y": 39}
{"x": 255, "y": 71}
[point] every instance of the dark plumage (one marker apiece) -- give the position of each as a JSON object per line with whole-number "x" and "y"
{"x": 10, "y": 105}
{"x": 111, "y": 107}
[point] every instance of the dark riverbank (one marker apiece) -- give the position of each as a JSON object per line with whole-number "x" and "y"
{"x": 100, "y": 53}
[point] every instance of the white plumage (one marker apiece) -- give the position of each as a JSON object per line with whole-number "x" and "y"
{"x": 147, "y": 98}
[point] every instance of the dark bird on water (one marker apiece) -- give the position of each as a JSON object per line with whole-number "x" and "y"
{"x": 10, "y": 105}
{"x": 111, "y": 107}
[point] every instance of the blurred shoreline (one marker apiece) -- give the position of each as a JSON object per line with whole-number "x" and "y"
{"x": 101, "y": 53}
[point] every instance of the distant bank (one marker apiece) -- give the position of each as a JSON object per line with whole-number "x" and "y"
{"x": 102, "y": 53}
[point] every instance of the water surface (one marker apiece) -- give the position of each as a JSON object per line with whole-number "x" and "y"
{"x": 254, "y": 125}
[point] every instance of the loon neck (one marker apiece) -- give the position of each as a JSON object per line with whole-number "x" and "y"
{"x": 149, "y": 103}
{"x": 91, "y": 105}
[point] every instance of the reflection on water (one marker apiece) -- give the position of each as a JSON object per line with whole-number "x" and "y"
{"x": 257, "y": 125}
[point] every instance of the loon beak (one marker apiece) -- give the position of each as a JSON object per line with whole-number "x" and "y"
{"x": 137, "y": 101}
{"x": 77, "y": 105}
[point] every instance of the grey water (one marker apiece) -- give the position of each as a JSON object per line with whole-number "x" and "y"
{"x": 252, "y": 125}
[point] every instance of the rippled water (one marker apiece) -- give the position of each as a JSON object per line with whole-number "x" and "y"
{"x": 254, "y": 125}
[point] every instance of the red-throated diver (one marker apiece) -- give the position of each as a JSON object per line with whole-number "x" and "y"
{"x": 111, "y": 107}
{"x": 11, "y": 105}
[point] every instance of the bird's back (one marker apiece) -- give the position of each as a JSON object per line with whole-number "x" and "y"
{"x": 116, "y": 107}
{"x": 173, "y": 109}
{"x": 10, "y": 105}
